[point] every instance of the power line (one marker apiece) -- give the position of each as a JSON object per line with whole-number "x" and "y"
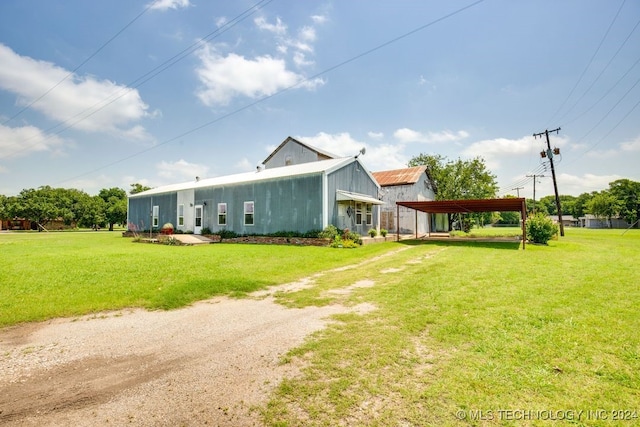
{"x": 589, "y": 63}
{"x": 550, "y": 154}
{"x": 100, "y": 105}
{"x": 89, "y": 58}
{"x": 280, "y": 92}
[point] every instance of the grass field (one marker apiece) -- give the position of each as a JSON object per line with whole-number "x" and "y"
{"x": 463, "y": 333}
{"x": 46, "y": 275}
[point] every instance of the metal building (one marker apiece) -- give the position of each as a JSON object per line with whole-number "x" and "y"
{"x": 300, "y": 197}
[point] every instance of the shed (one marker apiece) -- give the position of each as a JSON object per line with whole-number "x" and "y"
{"x": 404, "y": 184}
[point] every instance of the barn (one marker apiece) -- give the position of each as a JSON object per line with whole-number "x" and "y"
{"x": 301, "y": 196}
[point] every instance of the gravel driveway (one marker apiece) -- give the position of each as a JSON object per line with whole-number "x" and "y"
{"x": 211, "y": 363}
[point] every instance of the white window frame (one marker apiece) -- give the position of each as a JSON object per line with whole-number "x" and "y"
{"x": 359, "y": 213}
{"x": 155, "y": 214}
{"x": 369, "y": 213}
{"x": 222, "y": 213}
{"x": 249, "y": 209}
{"x": 180, "y": 215}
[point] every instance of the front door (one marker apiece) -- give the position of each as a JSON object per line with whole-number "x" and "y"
{"x": 197, "y": 224}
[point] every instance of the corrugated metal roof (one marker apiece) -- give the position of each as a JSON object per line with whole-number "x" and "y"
{"x": 473, "y": 205}
{"x": 399, "y": 176}
{"x": 322, "y": 166}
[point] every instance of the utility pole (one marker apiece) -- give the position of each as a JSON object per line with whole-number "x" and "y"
{"x": 518, "y": 190}
{"x": 534, "y": 189}
{"x": 550, "y": 154}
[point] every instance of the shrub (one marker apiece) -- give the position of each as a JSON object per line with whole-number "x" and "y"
{"x": 372, "y": 232}
{"x": 540, "y": 228}
{"x": 227, "y": 234}
{"x": 206, "y": 230}
{"x": 383, "y": 232}
{"x": 330, "y": 232}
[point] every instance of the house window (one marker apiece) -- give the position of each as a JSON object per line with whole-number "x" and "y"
{"x": 358, "y": 213}
{"x": 369, "y": 214}
{"x": 180, "y": 214}
{"x": 222, "y": 214}
{"x": 155, "y": 212}
{"x": 248, "y": 213}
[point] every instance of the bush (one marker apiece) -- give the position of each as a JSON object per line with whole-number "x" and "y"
{"x": 206, "y": 231}
{"x": 227, "y": 234}
{"x": 372, "y": 232}
{"x": 330, "y": 232}
{"x": 383, "y": 232}
{"x": 540, "y": 228}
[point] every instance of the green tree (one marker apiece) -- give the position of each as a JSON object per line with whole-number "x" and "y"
{"x": 90, "y": 212}
{"x": 138, "y": 188}
{"x": 459, "y": 179}
{"x": 37, "y": 205}
{"x": 115, "y": 205}
{"x": 604, "y": 205}
{"x": 628, "y": 193}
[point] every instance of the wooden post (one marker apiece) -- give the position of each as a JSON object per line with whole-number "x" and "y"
{"x": 397, "y": 222}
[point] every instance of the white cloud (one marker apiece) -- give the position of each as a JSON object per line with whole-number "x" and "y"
{"x": 407, "y": 135}
{"x": 221, "y": 21}
{"x": 169, "y": 4}
{"x": 307, "y": 34}
{"x": 225, "y": 77}
{"x": 181, "y": 169}
{"x": 278, "y": 28}
{"x": 377, "y": 157}
{"x": 631, "y": 145}
{"x": 576, "y": 185}
{"x": 495, "y": 150}
{"x": 244, "y": 165}
{"x": 319, "y": 19}
{"x": 86, "y": 103}
{"x": 375, "y": 135}
{"x": 20, "y": 141}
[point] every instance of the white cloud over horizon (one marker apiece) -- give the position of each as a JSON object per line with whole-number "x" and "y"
{"x": 82, "y": 102}
{"x": 181, "y": 169}
{"x": 407, "y": 135}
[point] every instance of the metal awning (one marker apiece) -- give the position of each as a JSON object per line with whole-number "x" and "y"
{"x": 475, "y": 205}
{"x": 342, "y": 195}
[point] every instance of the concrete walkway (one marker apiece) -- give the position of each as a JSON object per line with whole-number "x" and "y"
{"x": 192, "y": 239}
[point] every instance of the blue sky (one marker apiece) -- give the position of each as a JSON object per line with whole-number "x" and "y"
{"x": 104, "y": 94}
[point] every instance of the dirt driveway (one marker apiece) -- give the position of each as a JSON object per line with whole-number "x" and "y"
{"x": 207, "y": 364}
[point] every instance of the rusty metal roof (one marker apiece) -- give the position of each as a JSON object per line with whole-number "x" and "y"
{"x": 473, "y": 205}
{"x": 399, "y": 176}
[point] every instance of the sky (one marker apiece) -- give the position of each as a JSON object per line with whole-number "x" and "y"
{"x": 101, "y": 94}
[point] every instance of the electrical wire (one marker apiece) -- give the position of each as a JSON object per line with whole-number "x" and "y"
{"x": 135, "y": 84}
{"x": 280, "y": 92}
{"x": 89, "y": 58}
{"x": 588, "y": 64}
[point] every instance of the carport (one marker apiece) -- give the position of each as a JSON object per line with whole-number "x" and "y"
{"x": 470, "y": 206}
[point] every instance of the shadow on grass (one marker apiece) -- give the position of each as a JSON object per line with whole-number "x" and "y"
{"x": 469, "y": 242}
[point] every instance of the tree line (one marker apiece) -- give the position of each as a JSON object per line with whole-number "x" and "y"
{"x": 470, "y": 179}
{"x": 44, "y": 205}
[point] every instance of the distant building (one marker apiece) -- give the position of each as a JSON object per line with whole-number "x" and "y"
{"x": 591, "y": 221}
{"x": 408, "y": 184}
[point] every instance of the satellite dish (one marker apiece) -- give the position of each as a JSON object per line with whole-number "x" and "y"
{"x": 363, "y": 150}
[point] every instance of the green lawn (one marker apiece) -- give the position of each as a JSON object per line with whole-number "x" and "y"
{"x": 463, "y": 333}
{"x": 477, "y": 334}
{"x": 46, "y": 275}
